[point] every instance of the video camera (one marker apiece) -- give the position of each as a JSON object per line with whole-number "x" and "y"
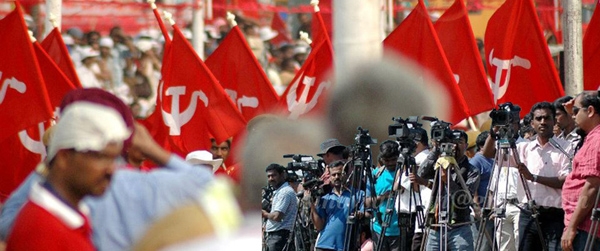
{"x": 311, "y": 172}
{"x": 267, "y": 197}
{"x": 505, "y": 117}
{"x": 406, "y": 132}
{"x": 440, "y": 130}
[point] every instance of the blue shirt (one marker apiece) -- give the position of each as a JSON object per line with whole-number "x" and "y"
{"x": 284, "y": 201}
{"x": 132, "y": 202}
{"x": 382, "y": 185}
{"x": 334, "y": 210}
{"x": 485, "y": 166}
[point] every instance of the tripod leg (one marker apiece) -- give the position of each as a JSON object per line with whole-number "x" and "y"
{"x": 591, "y": 239}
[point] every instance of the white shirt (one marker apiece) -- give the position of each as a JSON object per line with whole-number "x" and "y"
{"x": 547, "y": 161}
{"x": 420, "y": 157}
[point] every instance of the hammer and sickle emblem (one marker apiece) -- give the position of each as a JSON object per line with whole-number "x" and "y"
{"x": 12, "y": 83}
{"x": 499, "y": 87}
{"x": 176, "y": 119}
{"x": 300, "y": 106}
{"x": 34, "y": 146}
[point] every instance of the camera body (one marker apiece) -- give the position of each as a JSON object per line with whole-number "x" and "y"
{"x": 440, "y": 130}
{"x": 267, "y": 197}
{"x": 505, "y": 117}
{"x": 311, "y": 170}
{"x": 406, "y": 132}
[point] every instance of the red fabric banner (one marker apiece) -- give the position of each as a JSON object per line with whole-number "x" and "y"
{"x": 591, "y": 53}
{"x": 454, "y": 31}
{"x": 416, "y": 38}
{"x": 242, "y": 77}
{"x": 55, "y": 47}
{"x": 22, "y": 89}
{"x": 519, "y": 62}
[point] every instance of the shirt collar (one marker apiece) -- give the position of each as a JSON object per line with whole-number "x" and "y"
{"x": 50, "y": 202}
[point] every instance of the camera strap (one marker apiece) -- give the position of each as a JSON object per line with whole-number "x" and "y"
{"x": 379, "y": 172}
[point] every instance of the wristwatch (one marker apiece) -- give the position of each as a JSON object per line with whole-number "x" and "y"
{"x": 535, "y": 177}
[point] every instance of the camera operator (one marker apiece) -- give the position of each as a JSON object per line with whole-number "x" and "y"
{"x": 460, "y": 236}
{"x": 581, "y": 186}
{"x": 331, "y": 150}
{"x": 331, "y": 212}
{"x": 280, "y": 220}
{"x": 422, "y": 150}
{"x": 545, "y": 167}
{"x": 384, "y": 177}
{"x": 506, "y": 176}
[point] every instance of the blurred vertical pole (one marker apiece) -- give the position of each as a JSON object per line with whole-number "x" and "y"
{"x": 198, "y": 27}
{"x": 573, "y": 39}
{"x": 54, "y": 11}
{"x": 356, "y": 34}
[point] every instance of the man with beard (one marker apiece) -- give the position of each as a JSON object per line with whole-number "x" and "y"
{"x": 81, "y": 160}
{"x": 280, "y": 221}
{"x": 331, "y": 212}
{"x": 545, "y": 168}
{"x": 581, "y": 186}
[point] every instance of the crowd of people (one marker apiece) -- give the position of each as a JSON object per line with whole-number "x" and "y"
{"x": 527, "y": 183}
{"x": 129, "y": 65}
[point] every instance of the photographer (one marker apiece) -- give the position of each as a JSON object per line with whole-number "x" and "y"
{"x": 331, "y": 150}
{"x": 384, "y": 178}
{"x": 331, "y": 212}
{"x": 460, "y": 234}
{"x": 280, "y": 220}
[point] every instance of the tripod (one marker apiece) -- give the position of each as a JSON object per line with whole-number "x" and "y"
{"x": 405, "y": 222}
{"x": 442, "y": 190}
{"x": 591, "y": 239}
{"x": 507, "y": 147}
{"x": 361, "y": 168}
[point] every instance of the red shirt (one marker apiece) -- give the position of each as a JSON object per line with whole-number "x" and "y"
{"x": 46, "y": 223}
{"x": 585, "y": 164}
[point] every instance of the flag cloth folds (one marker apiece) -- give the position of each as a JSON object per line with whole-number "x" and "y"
{"x": 454, "y": 31}
{"x": 23, "y": 98}
{"x": 55, "y": 47}
{"x": 307, "y": 93}
{"x": 192, "y": 104}
{"x": 242, "y": 77}
{"x": 57, "y": 83}
{"x": 280, "y": 26}
{"x": 591, "y": 53}
{"x": 416, "y": 39}
{"x": 519, "y": 62}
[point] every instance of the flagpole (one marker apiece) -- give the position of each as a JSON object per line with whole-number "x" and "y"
{"x": 198, "y": 27}
{"x": 356, "y": 35}
{"x": 573, "y": 48}
{"x": 53, "y": 17}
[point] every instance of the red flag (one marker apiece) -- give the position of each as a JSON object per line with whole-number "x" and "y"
{"x": 519, "y": 62}
{"x": 242, "y": 77}
{"x": 591, "y": 53}
{"x": 191, "y": 101}
{"x": 415, "y": 38}
{"x": 307, "y": 94}
{"x": 454, "y": 31}
{"x": 57, "y": 81}
{"x": 23, "y": 99}
{"x": 21, "y": 153}
{"x": 55, "y": 47}
{"x": 319, "y": 30}
{"x": 280, "y": 26}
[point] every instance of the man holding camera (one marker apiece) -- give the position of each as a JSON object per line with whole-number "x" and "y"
{"x": 280, "y": 220}
{"x": 545, "y": 167}
{"x": 460, "y": 234}
{"x": 329, "y": 215}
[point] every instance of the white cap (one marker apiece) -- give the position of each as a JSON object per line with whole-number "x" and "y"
{"x": 144, "y": 45}
{"x": 88, "y": 52}
{"x": 67, "y": 39}
{"x": 203, "y": 157}
{"x": 266, "y": 33}
{"x": 300, "y": 50}
{"x": 106, "y": 42}
{"x": 86, "y": 126}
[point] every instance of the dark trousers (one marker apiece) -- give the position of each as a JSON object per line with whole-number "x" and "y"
{"x": 390, "y": 243}
{"x": 580, "y": 240}
{"x": 551, "y": 224}
{"x": 277, "y": 241}
{"x": 416, "y": 241}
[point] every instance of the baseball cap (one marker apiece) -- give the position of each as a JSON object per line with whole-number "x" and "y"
{"x": 328, "y": 145}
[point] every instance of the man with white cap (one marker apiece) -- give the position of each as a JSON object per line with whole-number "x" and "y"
{"x": 87, "y": 141}
{"x": 88, "y": 71}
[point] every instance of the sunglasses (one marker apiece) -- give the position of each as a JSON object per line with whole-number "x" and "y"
{"x": 576, "y": 109}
